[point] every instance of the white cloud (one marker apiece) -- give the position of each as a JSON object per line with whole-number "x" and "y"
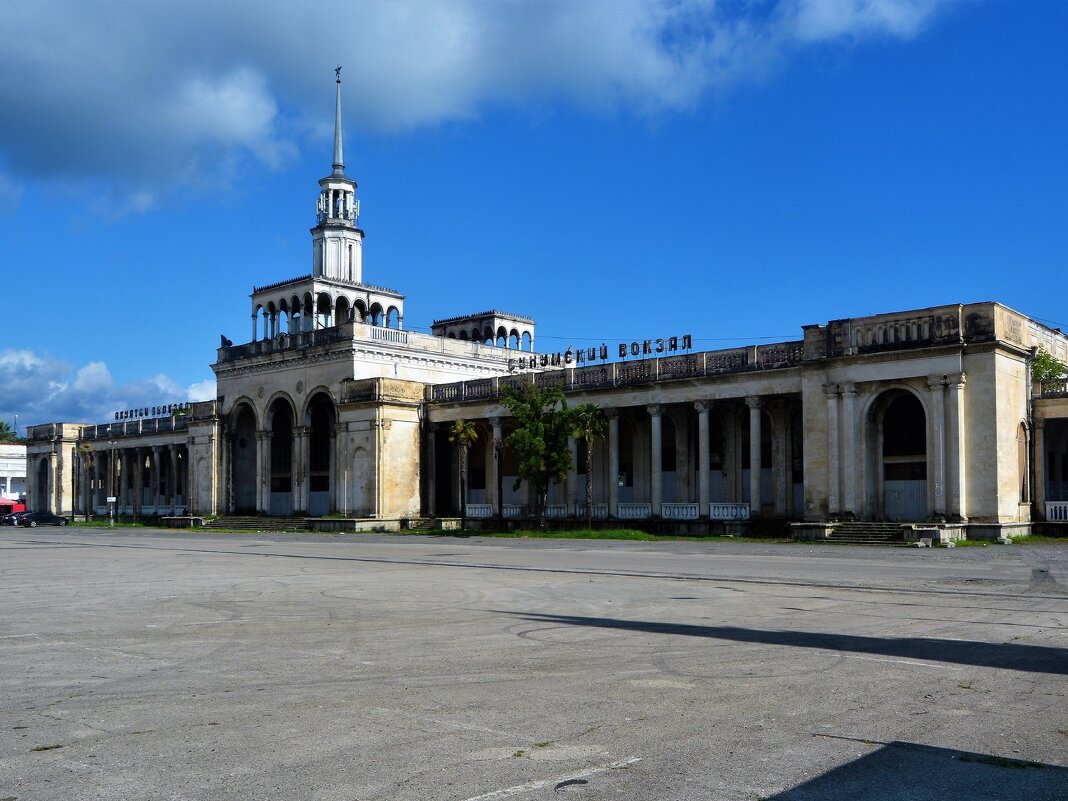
{"x": 201, "y": 391}
{"x": 137, "y": 96}
{"x": 41, "y": 389}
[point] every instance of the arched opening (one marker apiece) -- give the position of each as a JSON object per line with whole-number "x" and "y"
{"x": 307, "y": 313}
{"x": 360, "y": 311}
{"x": 243, "y": 458}
{"x": 902, "y": 430}
{"x": 528, "y": 343}
{"x": 280, "y": 432}
{"x": 375, "y": 316}
{"x": 502, "y": 337}
{"x": 323, "y": 312}
{"x": 341, "y": 310}
{"x": 513, "y": 340}
{"x": 463, "y": 336}
{"x": 284, "y": 321}
{"x": 259, "y": 324}
{"x": 272, "y": 320}
{"x": 319, "y": 420}
{"x": 393, "y": 317}
{"x": 487, "y": 336}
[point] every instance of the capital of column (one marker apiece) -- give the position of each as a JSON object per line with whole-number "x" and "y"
{"x": 702, "y": 405}
{"x": 956, "y": 380}
{"x": 849, "y": 389}
{"x": 300, "y": 431}
{"x": 753, "y": 402}
{"x": 262, "y": 434}
{"x": 830, "y": 389}
{"x": 936, "y": 382}
{"x": 655, "y": 410}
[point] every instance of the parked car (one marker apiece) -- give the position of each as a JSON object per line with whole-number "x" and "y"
{"x": 13, "y": 518}
{"x": 34, "y": 519}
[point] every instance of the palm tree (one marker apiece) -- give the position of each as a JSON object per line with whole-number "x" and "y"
{"x": 6, "y": 434}
{"x": 463, "y": 434}
{"x": 590, "y": 426}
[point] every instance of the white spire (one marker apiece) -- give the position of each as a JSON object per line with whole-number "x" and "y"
{"x": 339, "y": 156}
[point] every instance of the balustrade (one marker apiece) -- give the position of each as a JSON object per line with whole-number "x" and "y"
{"x": 1057, "y": 511}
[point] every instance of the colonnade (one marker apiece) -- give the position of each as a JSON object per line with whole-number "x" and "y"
{"x": 629, "y": 467}
{"x": 120, "y": 472}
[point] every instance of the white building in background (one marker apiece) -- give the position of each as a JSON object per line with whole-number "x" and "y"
{"x": 332, "y": 407}
{"x": 12, "y": 471}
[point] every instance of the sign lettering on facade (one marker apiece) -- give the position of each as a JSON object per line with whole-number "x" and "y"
{"x": 580, "y": 356}
{"x": 153, "y": 411}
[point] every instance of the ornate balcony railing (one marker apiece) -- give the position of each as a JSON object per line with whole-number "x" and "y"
{"x": 646, "y": 371}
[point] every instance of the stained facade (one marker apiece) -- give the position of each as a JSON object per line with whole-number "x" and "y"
{"x": 332, "y": 407}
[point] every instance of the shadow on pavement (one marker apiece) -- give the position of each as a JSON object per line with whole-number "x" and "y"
{"x": 1011, "y": 656}
{"x": 911, "y": 772}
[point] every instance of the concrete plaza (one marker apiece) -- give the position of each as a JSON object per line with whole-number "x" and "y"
{"x": 145, "y": 664}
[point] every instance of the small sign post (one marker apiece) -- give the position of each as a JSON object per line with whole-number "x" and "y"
{"x": 112, "y": 500}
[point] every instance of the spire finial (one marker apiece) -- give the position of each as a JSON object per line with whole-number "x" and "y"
{"x": 339, "y": 157}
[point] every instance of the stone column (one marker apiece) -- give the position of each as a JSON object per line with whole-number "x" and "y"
{"x": 254, "y": 320}
{"x": 432, "y": 472}
{"x": 155, "y": 477}
{"x": 94, "y": 489}
{"x": 263, "y": 472}
{"x": 1038, "y": 484}
{"x": 656, "y": 447}
{"x": 849, "y": 449}
{"x": 130, "y": 491}
{"x": 936, "y": 385}
{"x": 300, "y": 504}
{"x": 833, "y": 506}
{"x": 956, "y": 456}
{"x": 613, "y": 462}
{"x": 174, "y": 478}
{"x": 339, "y": 478}
{"x": 754, "y": 404}
{"x": 703, "y": 464}
{"x": 493, "y": 474}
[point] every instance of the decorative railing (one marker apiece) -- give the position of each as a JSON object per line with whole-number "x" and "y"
{"x": 556, "y": 510}
{"x": 1058, "y": 388}
{"x": 680, "y": 511}
{"x": 728, "y": 511}
{"x": 511, "y": 510}
{"x": 479, "y": 510}
{"x": 634, "y": 511}
{"x": 645, "y": 371}
{"x": 1057, "y": 511}
{"x": 136, "y": 428}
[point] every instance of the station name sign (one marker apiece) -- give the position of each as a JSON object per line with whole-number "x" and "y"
{"x": 579, "y": 356}
{"x": 153, "y": 411}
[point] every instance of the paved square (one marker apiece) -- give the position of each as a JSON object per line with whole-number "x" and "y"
{"x": 180, "y": 666}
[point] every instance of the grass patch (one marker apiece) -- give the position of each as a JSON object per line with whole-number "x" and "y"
{"x": 601, "y": 534}
{"x": 971, "y": 544}
{"x": 104, "y": 524}
{"x": 1024, "y": 539}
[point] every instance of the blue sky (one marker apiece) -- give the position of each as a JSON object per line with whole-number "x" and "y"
{"x": 618, "y": 170}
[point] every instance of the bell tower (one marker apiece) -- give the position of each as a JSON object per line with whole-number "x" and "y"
{"x": 337, "y": 241}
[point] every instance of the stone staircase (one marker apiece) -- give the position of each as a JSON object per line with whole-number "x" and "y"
{"x": 420, "y": 524}
{"x": 254, "y": 523}
{"x": 863, "y": 533}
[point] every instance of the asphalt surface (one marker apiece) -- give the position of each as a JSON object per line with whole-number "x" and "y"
{"x": 161, "y": 665}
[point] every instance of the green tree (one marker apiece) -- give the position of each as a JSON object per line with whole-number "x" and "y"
{"x": 463, "y": 434}
{"x": 539, "y": 441}
{"x": 6, "y": 434}
{"x": 1046, "y": 368}
{"x": 589, "y": 426}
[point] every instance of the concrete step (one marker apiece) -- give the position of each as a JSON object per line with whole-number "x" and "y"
{"x": 253, "y": 523}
